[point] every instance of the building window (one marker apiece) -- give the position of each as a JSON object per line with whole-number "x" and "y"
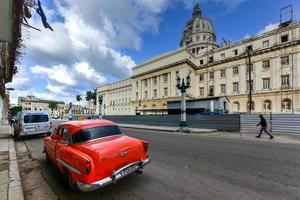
{"x": 285, "y": 81}
{"x": 250, "y": 48}
{"x": 211, "y": 91}
{"x": 201, "y": 91}
{"x": 247, "y": 68}
{"x": 222, "y": 73}
{"x": 285, "y": 60}
{"x": 146, "y": 82}
{"x": 223, "y": 89}
{"x": 155, "y": 81}
{"x": 146, "y": 95}
{"x": 248, "y": 86}
{"x": 236, "y": 106}
{"x": 201, "y": 77}
{"x": 252, "y": 105}
{"x": 235, "y": 70}
{"x": 284, "y": 38}
{"x": 136, "y": 96}
{"x": 266, "y": 43}
{"x": 235, "y": 87}
{"x": 222, "y": 55}
{"x": 155, "y": 93}
{"x": 266, "y": 83}
{"x": 165, "y": 78}
{"x": 286, "y": 104}
{"x": 235, "y": 52}
{"x": 211, "y": 59}
{"x": 267, "y": 105}
{"x": 266, "y": 64}
{"x": 166, "y": 91}
{"x": 201, "y": 62}
{"x": 211, "y": 75}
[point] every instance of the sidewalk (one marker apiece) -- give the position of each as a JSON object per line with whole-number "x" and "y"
{"x": 10, "y": 182}
{"x": 167, "y": 128}
{"x": 281, "y": 138}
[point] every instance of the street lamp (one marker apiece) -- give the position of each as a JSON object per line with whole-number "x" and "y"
{"x": 100, "y": 100}
{"x": 183, "y": 126}
{"x": 70, "y": 111}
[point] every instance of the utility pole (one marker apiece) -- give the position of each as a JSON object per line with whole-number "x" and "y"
{"x": 248, "y": 50}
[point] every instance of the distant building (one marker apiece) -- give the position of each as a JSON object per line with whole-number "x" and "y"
{"x": 33, "y": 103}
{"x": 116, "y": 98}
{"x": 216, "y": 71}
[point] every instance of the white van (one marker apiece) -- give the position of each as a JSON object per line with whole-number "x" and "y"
{"x": 31, "y": 123}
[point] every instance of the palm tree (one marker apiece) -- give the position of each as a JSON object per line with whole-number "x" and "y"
{"x": 88, "y": 97}
{"x": 78, "y": 98}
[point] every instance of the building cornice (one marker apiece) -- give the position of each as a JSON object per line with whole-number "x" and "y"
{"x": 253, "y": 53}
{"x": 185, "y": 61}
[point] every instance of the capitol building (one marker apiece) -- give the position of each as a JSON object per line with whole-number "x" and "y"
{"x": 219, "y": 74}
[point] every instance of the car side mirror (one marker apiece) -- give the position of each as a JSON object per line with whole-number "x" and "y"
{"x": 55, "y": 137}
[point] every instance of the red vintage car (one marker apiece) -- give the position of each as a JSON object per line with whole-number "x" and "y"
{"x": 94, "y": 153}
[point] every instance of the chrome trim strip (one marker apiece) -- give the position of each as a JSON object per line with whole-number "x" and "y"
{"x": 68, "y": 166}
{"x": 113, "y": 178}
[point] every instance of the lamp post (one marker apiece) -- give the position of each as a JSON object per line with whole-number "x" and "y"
{"x": 70, "y": 111}
{"x": 183, "y": 126}
{"x": 100, "y": 100}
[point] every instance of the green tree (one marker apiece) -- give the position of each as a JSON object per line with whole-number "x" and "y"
{"x": 52, "y": 105}
{"x": 14, "y": 110}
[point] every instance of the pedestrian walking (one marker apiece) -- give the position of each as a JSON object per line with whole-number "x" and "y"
{"x": 264, "y": 126}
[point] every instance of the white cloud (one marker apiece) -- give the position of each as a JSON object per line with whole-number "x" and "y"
{"x": 86, "y": 44}
{"x": 268, "y": 28}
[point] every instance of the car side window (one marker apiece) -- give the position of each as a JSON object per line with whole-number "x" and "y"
{"x": 55, "y": 131}
{"x": 66, "y": 135}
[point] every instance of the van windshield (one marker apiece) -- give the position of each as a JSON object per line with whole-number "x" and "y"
{"x": 35, "y": 118}
{"x": 95, "y": 133}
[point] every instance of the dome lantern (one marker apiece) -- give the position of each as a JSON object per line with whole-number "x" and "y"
{"x": 198, "y": 33}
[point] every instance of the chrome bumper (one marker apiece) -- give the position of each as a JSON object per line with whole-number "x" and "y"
{"x": 116, "y": 175}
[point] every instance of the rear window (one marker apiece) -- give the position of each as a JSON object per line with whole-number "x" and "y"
{"x": 95, "y": 133}
{"x": 35, "y": 118}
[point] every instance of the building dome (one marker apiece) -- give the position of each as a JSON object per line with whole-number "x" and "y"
{"x": 198, "y": 32}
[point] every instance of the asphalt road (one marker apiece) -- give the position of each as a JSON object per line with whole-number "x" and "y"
{"x": 197, "y": 167}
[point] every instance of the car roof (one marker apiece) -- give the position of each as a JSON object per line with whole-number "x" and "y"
{"x": 84, "y": 124}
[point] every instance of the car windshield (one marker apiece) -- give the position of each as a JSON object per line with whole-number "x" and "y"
{"x": 35, "y": 118}
{"x": 95, "y": 133}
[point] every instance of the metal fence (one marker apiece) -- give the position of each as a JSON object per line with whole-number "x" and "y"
{"x": 277, "y": 123}
{"x": 230, "y": 122}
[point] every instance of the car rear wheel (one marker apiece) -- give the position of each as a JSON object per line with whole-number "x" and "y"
{"x": 71, "y": 182}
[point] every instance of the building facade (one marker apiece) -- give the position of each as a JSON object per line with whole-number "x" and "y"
{"x": 36, "y": 104}
{"x": 116, "y": 98}
{"x": 271, "y": 58}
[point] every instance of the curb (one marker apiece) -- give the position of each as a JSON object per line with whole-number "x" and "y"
{"x": 169, "y": 129}
{"x": 15, "y": 191}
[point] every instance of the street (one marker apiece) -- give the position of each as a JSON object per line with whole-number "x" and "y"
{"x": 196, "y": 167}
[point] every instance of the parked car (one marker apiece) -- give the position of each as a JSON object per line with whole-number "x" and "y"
{"x": 32, "y": 123}
{"x": 94, "y": 153}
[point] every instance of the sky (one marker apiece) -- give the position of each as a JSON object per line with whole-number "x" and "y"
{"x": 96, "y": 42}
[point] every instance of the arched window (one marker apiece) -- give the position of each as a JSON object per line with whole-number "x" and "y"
{"x": 267, "y": 105}
{"x": 286, "y": 104}
{"x": 236, "y": 106}
{"x": 252, "y": 105}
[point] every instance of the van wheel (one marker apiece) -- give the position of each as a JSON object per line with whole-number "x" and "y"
{"x": 71, "y": 183}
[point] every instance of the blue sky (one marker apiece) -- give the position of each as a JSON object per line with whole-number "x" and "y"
{"x": 97, "y": 42}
